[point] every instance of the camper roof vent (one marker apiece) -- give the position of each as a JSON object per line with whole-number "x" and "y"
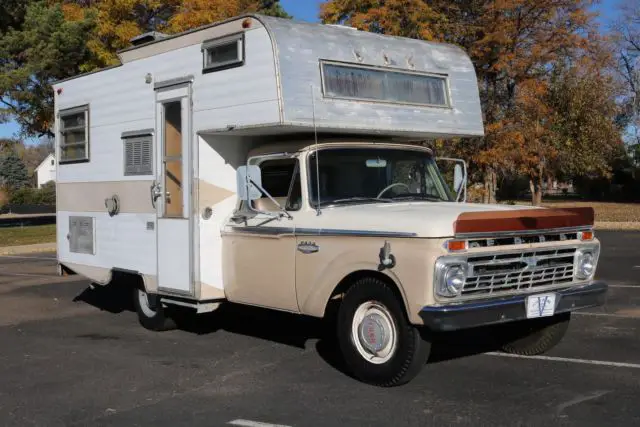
{"x": 147, "y": 37}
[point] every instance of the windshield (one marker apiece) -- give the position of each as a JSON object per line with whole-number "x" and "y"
{"x": 375, "y": 175}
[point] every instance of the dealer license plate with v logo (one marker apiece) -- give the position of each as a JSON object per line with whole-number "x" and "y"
{"x": 541, "y": 305}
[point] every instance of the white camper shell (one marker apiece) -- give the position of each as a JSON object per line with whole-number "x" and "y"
{"x": 262, "y": 84}
{"x": 153, "y": 183}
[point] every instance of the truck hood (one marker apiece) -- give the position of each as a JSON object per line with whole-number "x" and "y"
{"x": 423, "y": 219}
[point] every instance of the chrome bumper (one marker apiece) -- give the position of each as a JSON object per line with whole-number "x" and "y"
{"x": 487, "y": 312}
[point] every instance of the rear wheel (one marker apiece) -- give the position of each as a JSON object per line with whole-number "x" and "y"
{"x": 532, "y": 337}
{"x": 378, "y": 344}
{"x": 151, "y": 314}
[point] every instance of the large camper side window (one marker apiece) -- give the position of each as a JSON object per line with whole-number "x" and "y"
{"x": 74, "y": 135}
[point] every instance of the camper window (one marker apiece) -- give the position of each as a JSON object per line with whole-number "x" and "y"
{"x": 74, "y": 134}
{"x": 378, "y": 84}
{"x": 223, "y": 53}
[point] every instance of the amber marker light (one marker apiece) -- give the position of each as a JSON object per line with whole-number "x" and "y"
{"x": 586, "y": 235}
{"x": 456, "y": 245}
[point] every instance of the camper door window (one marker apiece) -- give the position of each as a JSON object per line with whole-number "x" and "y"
{"x": 74, "y": 135}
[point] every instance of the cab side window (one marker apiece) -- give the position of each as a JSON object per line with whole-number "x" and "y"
{"x": 281, "y": 179}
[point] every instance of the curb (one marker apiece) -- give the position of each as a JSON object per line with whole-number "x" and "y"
{"x": 617, "y": 226}
{"x": 27, "y": 249}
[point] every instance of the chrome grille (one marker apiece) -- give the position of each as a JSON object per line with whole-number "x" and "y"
{"x": 494, "y": 273}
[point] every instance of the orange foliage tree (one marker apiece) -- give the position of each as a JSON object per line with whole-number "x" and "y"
{"x": 118, "y": 21}
{"x": 515, "y": 46}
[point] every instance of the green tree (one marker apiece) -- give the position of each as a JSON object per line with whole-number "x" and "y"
{"x": 44, "y": 48}
{"x": 13, "y": 172}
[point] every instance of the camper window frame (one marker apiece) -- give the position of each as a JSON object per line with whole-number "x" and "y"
{"x": 237, "y": 38}
{"x": 444, "y": 77}
{"x": 61, "y": 132}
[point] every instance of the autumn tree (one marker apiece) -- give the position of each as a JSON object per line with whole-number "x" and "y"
{"x": 514, "y": 44}
{"x": 626, "y": 37}
{"x": 34, "y": 52}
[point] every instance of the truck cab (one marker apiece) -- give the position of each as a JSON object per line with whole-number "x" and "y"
{"x": 375, "y": 229}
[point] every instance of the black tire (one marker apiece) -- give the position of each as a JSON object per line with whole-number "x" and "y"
{"x": 532, "y": 337}
{"x": 411, "y": 349}
{"x": 153, "y": 317}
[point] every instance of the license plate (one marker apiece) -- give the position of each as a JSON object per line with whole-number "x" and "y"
{"x": 542, "y": 305}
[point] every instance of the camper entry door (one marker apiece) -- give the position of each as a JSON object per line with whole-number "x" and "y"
{"x": 172, "y": 190}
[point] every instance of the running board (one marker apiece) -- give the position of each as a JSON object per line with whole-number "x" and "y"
{"x": 199, "y": 306}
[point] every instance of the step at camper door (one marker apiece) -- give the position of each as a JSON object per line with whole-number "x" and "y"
{"x": 172, "y": 191}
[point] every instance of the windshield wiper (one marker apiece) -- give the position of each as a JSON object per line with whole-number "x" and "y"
{"x": 419, "y": 196}
{"x": 355, "y": 200}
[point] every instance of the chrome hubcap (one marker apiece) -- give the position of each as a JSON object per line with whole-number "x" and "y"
{"x": 374, "y": 332}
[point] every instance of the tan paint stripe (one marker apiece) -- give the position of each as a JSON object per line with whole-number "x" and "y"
{"x": 135, "y": 196}
{"x": 210, "y": 195}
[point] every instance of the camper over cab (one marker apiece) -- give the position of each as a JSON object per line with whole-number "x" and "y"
{"x": 279, "y": 164}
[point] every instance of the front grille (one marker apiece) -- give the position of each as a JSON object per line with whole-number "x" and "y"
{"x": 489, "y": 274}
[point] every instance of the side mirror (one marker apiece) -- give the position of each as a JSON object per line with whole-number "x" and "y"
{"x": 458, "y": 177}
{"x": 246, "y": 176}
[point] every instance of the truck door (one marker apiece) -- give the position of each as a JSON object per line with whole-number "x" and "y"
{"x": 260, "y": 253}
{"x": 172, "y": 190}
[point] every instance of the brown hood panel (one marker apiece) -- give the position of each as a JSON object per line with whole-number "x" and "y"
{"x": 523, "y": 220}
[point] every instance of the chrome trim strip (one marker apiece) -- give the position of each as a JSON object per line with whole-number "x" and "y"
{"x": 360, "y": 233}
{"x": 499, "y": 234}
{"x": 261, "y": 230}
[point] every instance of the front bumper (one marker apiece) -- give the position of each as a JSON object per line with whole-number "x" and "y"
{"x": 452, "y": 317}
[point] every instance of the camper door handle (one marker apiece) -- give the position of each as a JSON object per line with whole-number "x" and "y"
{"x": 155, "y": 193}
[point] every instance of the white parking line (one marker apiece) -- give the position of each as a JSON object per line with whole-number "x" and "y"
{"x": 569, "y": 360}
{"x": 26, "y": 275}
{"x": 28, "y": 257}
{"x": 625, "y": 286}
{"x": 249, "y": 423}
{"x": 587, "y": 313}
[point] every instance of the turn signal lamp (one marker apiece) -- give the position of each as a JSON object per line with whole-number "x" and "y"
{"x": 586, "y": 235}
{"x": 456, "y": 245}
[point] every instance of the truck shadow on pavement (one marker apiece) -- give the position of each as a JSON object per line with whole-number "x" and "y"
{"x": 286, "y": 328}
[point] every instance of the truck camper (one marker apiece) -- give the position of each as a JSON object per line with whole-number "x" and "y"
{"x": 276, "y": 163}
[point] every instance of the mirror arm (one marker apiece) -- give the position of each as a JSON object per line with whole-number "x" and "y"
{"x": 283, "y": 212}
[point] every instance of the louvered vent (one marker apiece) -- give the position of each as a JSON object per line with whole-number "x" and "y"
{"x": 138, "y": 155}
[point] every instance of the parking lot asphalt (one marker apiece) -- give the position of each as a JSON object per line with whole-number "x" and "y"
{"x": 74, "y": 356}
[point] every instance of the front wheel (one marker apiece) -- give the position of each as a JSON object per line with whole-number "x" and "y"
{"x": 533, "y": 337}
{"x": 378, "y": 344}
{"x": 152, "y": 316}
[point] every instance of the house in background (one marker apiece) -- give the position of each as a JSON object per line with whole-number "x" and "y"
{"x": 46, "y": 171}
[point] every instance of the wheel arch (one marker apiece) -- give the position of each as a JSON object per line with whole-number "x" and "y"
{"x": 333, "y": 301}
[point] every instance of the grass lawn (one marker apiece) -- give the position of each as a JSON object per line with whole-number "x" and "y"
{"x": 606, "y": 212}
{"x": 13, "y": 236}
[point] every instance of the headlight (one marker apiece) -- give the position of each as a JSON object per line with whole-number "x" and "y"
{"x": 450, "y": 279}
{"x": 585, "y": 264}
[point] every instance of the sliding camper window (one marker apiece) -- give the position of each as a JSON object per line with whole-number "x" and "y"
{"x": 378, "y": 84}
{"x": 74, "y": 135}
{"x": 281, "y": 179}
{"x": 222, "y": 53}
